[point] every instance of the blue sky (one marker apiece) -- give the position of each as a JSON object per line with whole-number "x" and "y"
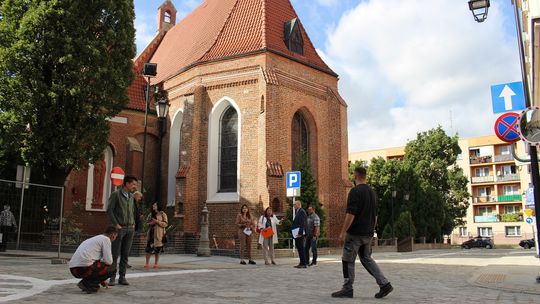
{"x": 412, "y": 64}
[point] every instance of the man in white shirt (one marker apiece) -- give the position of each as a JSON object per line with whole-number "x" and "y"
{"x": 92, "y": 260}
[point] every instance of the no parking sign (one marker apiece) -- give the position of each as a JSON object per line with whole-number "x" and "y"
{"x": 506, "y": 127}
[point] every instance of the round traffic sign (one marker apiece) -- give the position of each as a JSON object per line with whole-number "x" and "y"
{"x": 529, "y": 126}
{"x": 117, "y": 176}
{"x": 529, "y": 220}
{"x": 506, "y": 127}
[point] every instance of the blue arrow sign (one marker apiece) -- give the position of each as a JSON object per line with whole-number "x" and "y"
{"x": 508, "y": 97}
{"x": 529, "y": 220}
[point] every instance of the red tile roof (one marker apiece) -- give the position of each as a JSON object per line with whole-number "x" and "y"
{"x": 223, "y": 28}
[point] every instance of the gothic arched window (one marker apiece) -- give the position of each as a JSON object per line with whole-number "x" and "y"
{"x": 228, "y": 151}
{"x": 299, "y": 137}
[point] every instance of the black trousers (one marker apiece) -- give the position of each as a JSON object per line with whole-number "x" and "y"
{"x": 300, "y": 243}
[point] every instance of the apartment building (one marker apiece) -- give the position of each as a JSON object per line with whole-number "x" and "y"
{"x": 497, "y": 184}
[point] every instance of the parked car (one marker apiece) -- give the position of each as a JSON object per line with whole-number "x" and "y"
{"x": 527, "y": 243}
{"x": 479, "y": 242}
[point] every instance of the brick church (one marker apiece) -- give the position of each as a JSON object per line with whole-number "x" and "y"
{"x": 247, "y": 93}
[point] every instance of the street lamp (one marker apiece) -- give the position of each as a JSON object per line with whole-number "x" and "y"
{"x": 479, "y": 9}
{"x": 149, "y": 71}
{"x": 162, "y": 108}
{"x": 394, "y": 194}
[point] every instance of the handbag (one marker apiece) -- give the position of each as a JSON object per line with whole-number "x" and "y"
{"x": 267, "y": 232}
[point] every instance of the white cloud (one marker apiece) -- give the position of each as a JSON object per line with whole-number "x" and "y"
{"x": 406, "y": 65}
{"x": 328, "y": 2}
{"x": 145, "y": 30}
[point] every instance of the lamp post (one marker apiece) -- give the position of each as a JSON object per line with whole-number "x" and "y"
{"x": 149, "y": 71}
{"x": 479, "y": 9}
{"x": 535, "y": 176}
{"x": 162, "y": 108}
{"x": 394, "y": 194}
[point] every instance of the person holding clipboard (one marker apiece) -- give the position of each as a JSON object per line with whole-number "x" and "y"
{"x": 245, "y": 232}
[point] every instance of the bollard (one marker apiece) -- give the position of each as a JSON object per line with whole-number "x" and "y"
{"x": 204, "y": 242}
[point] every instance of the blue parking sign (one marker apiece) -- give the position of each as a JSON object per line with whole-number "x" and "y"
{"x": 293, "y": 179}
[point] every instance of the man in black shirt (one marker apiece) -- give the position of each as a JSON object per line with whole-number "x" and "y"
{"x": 357, "y": 232}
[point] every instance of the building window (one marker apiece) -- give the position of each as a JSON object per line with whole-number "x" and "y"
{"x": 485, "y": 211}
{"x": 463, "y": 231}
{"x": 505, "y": 150}
{"x": 510, "y": 189}
{"x": 512, "y": 209}
{"x": 483, "y": 191}
{"x": 485, "y": 231}
{"x": 293, "y": 36}
{"x": 482, "y": 171}
{"x": 299, "y": 138}
{"x": 276, "y": 205}
{"x": 98, "y": 186}
{"x": 506, "y": 170}
{"x": 224, "y": 157}
{"x": 513, "y": 231}
{"x": 167, "y": 17}
{"x": 174, "y": 156}
{"x": 228, "y": 151}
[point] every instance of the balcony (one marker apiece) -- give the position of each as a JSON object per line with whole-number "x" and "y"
{"x": 508, "y": 177}
{"x": 509, "y": 198}
{"x": 503, "y": 158}
{"x": 480, "y": 159}
{"x": 511, "y": 217}
{"x": 485, "y": 219}
{"x": 484, "y": 199}
{"x": 482, "y": 179}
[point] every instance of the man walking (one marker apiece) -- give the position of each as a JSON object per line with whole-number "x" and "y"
{"x": 92, "y": 259}
{"x": 299, "y": 226}
{"x": 121, "y": 211}
{"x": 357, "y": 231}
{"x": 7, "y": 226}
{"x": 312, "y": 234}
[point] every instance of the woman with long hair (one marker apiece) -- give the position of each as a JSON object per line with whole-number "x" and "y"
{"x": 245, "y": 231}
{"x": 157, "y": 222}
{"x": 268, "y": 221}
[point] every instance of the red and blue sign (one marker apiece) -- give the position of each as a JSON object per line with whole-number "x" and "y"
{"x": 506, "y": 127}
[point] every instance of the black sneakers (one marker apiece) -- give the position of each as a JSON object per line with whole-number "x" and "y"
{"x": 85, "y": 288}
{"x": 384, "y": 291}
{"x": 343, "y": 293}
{"x": 251, "y": 262}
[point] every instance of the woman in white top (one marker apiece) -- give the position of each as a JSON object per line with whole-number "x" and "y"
{"x": 268, "y": 219}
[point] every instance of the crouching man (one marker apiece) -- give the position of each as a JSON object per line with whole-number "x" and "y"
{"x": 91, "y": 262}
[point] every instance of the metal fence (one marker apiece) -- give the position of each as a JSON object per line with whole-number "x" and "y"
{"x": 38, "y": 210}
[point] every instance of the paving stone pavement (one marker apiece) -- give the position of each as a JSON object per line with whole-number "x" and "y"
{"x": 422, "y": 277}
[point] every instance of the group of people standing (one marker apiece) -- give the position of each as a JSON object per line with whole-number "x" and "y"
{"x": 307, "y": 228}
{"x": 101, "y": 257}
{"x": 95, "y": 260}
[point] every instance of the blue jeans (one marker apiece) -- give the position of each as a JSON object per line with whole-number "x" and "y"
{"x": 311, "y": 243}
{"x": 121, "y": 247}
{"x": 361, "y": 246}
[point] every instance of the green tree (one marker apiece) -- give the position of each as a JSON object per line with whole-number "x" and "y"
{"x": 65, "y": 67}
{"x": 428, "y": 175}
{"x": 405, "y": 225}
{"x": 441, "y": 200}
{"x": 309, "y": 197}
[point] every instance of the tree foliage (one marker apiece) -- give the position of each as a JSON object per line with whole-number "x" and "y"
{"x": 65, "y": 67}
{"x": 308, "y": 195}
{"x": 428, "y": 174}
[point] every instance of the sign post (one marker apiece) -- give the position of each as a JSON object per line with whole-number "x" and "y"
{"x": 293, "y": 182}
